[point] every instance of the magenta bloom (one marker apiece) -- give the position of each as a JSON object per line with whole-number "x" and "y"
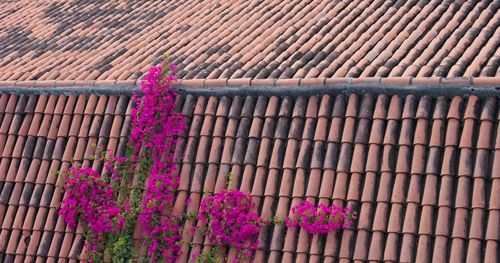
{"x": 93, "y": 200}
{"x": 228, "y": 220}
{"x": 156, "y": 128}
{"x": 90, "y": 200}
{"x": 321, "y": 219}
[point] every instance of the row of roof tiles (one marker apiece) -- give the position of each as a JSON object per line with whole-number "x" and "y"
{"x": 96, "y": 40}
{"x": 421, "y": 172}
{"x": 402, "y": 81}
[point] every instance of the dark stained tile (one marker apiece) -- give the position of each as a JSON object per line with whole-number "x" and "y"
{"x": 362, "y": 40}
{"x": 418, "y": 170}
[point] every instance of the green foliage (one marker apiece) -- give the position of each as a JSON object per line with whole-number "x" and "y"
{"x": 121, "y": 251}
{"x": 230, "y": 181}
{"x": 277, "y": 221}
{"x": 210, "y": 256}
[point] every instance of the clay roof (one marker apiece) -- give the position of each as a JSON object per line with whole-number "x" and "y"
{"x": 389, "y": 107}
{"x": 118, "y": 40}
{"x": 422, "y": 171}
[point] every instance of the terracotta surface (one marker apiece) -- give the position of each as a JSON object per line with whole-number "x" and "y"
{"x": 119, "y": 40}
{"x": 422, "y": 172}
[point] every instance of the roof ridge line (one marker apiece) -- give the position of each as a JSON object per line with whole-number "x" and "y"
{"x": 433, "y": 90}
{"x": 486, "y": 81}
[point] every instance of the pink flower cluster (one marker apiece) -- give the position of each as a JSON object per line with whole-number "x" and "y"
{"x": 90, "y": 200}
{"x": 154, "y": 119}
{"x": 228, "y": 220}
{"x": 155, "y": 132}
{"x": 320, "y": 220}
{"x": 108, "y": 206}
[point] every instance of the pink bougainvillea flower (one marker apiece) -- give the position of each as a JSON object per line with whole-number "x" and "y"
{"x": 320, "y": 220}
{"x": 228, "y": 220}
{"x": 156, "y": 128}
{"x": 90, "y": 200}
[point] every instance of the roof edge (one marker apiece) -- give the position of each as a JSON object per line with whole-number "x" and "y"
{"x": 66, "y": 83}
{"x": 334, "y": 89}
{"x": 71, "y": 90}
{"x": 482, "y": 81}
{"x": 433, "y": 90}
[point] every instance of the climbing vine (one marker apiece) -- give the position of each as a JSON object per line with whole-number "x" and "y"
{"x": 139, "y": 190}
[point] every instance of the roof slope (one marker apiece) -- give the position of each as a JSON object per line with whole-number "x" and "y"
{"x": 118, "y": 40}
{"x": 422, "y": 172}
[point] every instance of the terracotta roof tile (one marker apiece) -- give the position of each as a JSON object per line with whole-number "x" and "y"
{"x": 420, "y": 170}
{"x": 251, "y": 40}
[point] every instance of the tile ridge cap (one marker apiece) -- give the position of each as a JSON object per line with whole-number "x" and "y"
{"x": 382, "y": 81}
{"x": 446, "y": 90}
{"x": 67, "y": 83}
{"x": 201, "y": 82}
